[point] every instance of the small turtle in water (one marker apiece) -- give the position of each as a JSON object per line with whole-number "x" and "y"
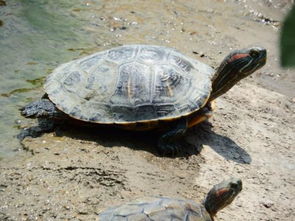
{"x": 162, "y": 208}
{"x": 141, "y": 87}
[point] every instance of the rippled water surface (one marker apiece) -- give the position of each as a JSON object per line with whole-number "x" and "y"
{"x": 35, "y": 37}
{"x": 38, "y": 35}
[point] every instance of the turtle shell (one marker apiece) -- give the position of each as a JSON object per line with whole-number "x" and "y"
{"x": 132, "y": 83}
{"x": 159, "y": 208}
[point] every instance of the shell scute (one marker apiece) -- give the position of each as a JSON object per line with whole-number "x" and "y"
{"x": 158, "y": 208}
{"x": 169, "y": 85}
{"x": 165, "y": 109}
{"x": 145, "y": 111}
{"x": 121, "y": 53}
{"x": 181, "y": 62}
{"x": 90, "y": 63}
{"x": 132, "y": 86}
{"x": 122, "y": 112}
{"x": 151, "y": 55}
{"x": 73, "y": 78}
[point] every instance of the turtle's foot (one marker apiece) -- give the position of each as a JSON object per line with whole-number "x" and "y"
{"x": 177, "y": 147}
{"x": 41, "y": 108}
{"x": 44, "y": 126}
{"x": 168, "y": 143}
{"x": 168, "y": 148}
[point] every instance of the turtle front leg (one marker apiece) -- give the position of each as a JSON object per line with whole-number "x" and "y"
{"x": 167, "y": 143}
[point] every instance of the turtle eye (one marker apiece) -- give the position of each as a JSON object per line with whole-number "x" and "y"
{"x": 254, "y": 53}
{"x": 234, "y": 185}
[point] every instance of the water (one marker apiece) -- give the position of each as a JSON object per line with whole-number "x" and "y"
{"x": 36, "y": 36}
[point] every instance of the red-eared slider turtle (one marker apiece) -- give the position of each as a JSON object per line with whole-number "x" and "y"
{"x": 162, "y": 208}
{"x": 142, "y": 87}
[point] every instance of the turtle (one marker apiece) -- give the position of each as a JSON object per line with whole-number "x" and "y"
{"x": 165, "y": 208}
{"x": 140, "y": 88}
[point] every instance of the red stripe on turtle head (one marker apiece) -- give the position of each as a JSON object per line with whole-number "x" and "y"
{"x": 237, "y": 56}
{"x": 220, "y": 192}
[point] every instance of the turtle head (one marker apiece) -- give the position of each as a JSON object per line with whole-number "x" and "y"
{"x": 236, "y": 66}
{"x": 222, "y": 195}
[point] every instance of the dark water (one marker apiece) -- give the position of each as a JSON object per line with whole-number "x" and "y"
{"x": 36, "y": 36}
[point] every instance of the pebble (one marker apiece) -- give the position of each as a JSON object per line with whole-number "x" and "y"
{"x": 18, "y": 121}
{"x": 267, "y": 204}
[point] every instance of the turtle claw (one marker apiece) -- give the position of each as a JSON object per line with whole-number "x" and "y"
{"x": 168, "y": 148}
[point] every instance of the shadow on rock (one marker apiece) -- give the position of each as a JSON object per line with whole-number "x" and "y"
{"x": 224, "y": 146}
{"x": 146, "y": 141}
{"x": 109, "y": 137}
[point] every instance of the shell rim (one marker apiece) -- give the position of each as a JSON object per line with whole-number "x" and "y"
{"x": 164, "y": 119}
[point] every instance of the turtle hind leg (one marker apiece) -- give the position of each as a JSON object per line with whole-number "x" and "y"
{"x": 42, "y": 108}
{"x": 48, "y": 118}
{"x": 167, "y": 143}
